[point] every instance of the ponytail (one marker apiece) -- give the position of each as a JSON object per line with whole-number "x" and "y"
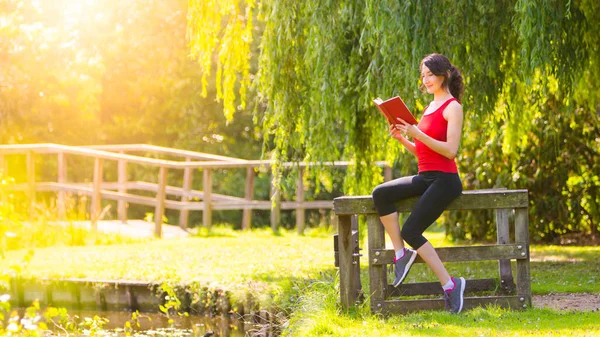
{"x": 455, "y": 83}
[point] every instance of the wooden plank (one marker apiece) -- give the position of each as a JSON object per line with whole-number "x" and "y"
{"x": 461, "y": 253}
{"x": 96, "y": 196}
{"x": 56, "y": 148}
{"x": 110, "y": 195}
{"x": 160, "y": 202}
{"x": 66, "y": 187}
{"x": 356, "y": 258}
{"x": 522, "y": 238}
{"x": 377, "y": 274}
{"x": 122, "y": 188}
{"x": 249, "y": 195}
{"x": 62, "y": 178}
{"x": 31, "y": 183}
{"x": 473, "y": 199}
{"x": 184, "y": 214}
{"x": 275, "y": 207}
{"x": 152, "y": 187}
{"x": 170, "y": 204}
{"x": 507, "y": 283}
{"x": 348, "y": 286}
{"x": 178, "y": 191}
{"x": 263, "y": 204}
{"x": 434, "y": 288}
{"x": 314, "y": 204}
{"x": 207, "y": 186}
{"x": 406, "y": 306}
{"x": 300, "y": 211}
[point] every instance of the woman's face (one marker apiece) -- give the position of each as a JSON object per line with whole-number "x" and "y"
{"x": 432, "y": 82}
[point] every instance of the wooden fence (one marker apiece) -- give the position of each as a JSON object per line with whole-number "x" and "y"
{"x": 506, "y": 203}
{"x": 191, "y": 161}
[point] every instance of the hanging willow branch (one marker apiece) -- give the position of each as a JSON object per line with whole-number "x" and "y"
{"x": 322, "y": 62}
{"x": 223, "y": 27}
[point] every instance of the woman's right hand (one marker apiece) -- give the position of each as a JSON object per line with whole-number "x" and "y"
{"x": 394, "y": 132}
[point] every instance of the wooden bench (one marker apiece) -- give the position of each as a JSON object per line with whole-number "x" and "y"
{"x": 506, "y": 203}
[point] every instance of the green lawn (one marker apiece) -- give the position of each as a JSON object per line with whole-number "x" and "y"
{"x": 296, "y": 273}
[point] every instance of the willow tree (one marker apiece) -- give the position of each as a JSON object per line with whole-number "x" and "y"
{"x": 531, "y": 99}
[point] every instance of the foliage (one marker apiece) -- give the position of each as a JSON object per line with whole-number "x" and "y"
{"x": 232, "y": 41}
{"x": 531, "y": 100}
{"x": 37, "y": 322}
{"x": 81, "y": 73}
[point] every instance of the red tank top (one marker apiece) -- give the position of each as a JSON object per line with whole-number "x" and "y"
{"x": 435, "y": 126}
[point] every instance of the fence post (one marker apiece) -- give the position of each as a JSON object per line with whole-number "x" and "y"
{"x": 3, "y": 167}
{"x": 3, "y": 175}
{"x": 207, "y": 185}
{"x": 387, "y": 173}
{"x": 377, "y": 274}
{"x": 160, "y": 201}
{"x": 31, "y": 182}
{"x": 350, "y": 286}
{"x": 184, "y": 214}
{"x": 249, "y": 195}
{"x": 62, "y": 178}
{"x": 506, "y": 278}
{"x": 522, "y": 237}
{"x": 275, "y": 206}
{"x": 300, "y": 211}
{"x": 96, "y": 195}
{"x": 122, "y": 180}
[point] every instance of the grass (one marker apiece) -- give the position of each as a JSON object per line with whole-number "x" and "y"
{"x": 235, "y": 261}
{"x": 297, "y": 273}
{"x": 319, "y": 315}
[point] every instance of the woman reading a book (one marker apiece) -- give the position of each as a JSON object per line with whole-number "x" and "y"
{"x": 436, "y": 140}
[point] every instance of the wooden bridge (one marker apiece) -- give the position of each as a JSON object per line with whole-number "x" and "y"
{"x": 189, "y": 199}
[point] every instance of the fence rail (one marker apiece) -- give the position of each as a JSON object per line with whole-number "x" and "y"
{"x": 190, "y": 161}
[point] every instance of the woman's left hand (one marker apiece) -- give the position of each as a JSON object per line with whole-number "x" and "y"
{"x": 407, "y": 129}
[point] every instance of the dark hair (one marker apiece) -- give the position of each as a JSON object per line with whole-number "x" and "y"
{"x": 440, "y": 65}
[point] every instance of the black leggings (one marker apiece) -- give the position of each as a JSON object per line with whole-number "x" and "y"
{"x": 437, "y": 190}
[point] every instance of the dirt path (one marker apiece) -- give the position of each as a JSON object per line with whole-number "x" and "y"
{"x": 580, "y": 302}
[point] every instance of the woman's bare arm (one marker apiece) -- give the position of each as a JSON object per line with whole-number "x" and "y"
{"x": 449, "y": 148}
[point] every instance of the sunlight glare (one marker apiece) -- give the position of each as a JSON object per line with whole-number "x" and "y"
{"x": 76, "y": 10}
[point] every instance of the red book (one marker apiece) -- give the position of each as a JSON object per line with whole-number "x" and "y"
{"x": 394, "y": 108}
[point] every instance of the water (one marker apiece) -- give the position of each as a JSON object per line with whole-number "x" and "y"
{"x": 155, "y": 324}
{"x": 158, "y": 324}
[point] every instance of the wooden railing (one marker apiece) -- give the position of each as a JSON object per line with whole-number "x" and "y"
{"x": 99, "y": 189}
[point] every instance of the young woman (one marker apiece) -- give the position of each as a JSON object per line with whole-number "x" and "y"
{"x": 436, "y": 140}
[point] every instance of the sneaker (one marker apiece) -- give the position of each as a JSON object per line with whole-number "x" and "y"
{"x": 455, "y": 298}
{"x": 402, "y": 266}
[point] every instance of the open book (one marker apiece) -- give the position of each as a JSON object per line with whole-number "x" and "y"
{"x": 394, "y": 108}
